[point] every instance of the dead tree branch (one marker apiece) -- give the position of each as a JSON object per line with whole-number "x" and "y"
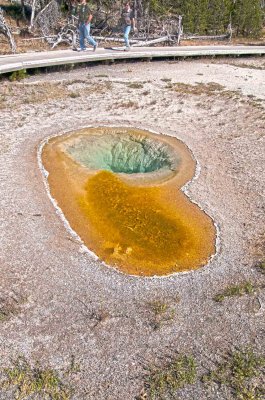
{"x": 6, "y": 31}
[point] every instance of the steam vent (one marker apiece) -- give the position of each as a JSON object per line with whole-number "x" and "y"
{"x": 120, "y": 190}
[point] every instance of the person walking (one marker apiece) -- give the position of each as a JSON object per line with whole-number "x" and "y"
{"x": 84, "y": 15}
{"x": 129, "y": 22}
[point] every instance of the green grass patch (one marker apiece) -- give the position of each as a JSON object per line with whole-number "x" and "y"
{"x": 242, "y": 373}
{"x": 235, "y": 290}
{"x": 165, "y": 381}
{"x": 18, "y": 75}
{"x": 27, "y": 381}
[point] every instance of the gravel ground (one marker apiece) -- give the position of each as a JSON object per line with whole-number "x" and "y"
{"x": 63, "y": 302}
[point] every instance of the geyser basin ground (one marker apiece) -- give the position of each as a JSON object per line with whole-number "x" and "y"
{"x": 120, "y": 191}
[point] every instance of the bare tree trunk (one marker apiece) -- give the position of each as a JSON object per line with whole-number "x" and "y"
{"x": 180, "y": 30}
{"x": 23, "y": 9}
{"x": 33, "y": 10}
{"x": 6, "y": 31}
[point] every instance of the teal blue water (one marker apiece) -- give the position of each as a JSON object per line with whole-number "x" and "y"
{"x": 122, "y": 153}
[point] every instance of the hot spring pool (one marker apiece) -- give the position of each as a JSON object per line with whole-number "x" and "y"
{"x": 119, "y": 189}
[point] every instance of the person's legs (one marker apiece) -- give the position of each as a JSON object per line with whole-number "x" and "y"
{"x": 89, "y": 38}
{"x": 126, "y": 31}
{"x": 82, "y": 36}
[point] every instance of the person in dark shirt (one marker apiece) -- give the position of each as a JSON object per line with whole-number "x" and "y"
{"x": 84, "y": 15}
{"x": 128, "y": 17}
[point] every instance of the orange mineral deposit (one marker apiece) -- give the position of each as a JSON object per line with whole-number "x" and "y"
{"x": 120, "y": 190}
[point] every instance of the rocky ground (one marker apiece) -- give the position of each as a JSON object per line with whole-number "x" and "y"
{"x": 102, "y": 332}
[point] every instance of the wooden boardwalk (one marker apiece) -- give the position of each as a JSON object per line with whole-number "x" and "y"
{"x": 15, "y": 62}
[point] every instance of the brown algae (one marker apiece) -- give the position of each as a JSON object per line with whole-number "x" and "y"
{"x": 119, "y": 188}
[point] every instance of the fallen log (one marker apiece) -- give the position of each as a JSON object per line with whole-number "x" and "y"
{"x": 195, "y": 37}
{"x": 39, "y": 38}
{"x": 113, "y": 39}
{"x": 155, "y": 41}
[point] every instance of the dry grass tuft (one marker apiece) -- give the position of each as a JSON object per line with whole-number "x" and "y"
{"x": 135, "y": 85}
{"x": 261, "y": 267}
{"x": 74, "y": 95}
{"x": 126, "y": 104}
{"x": 101, "y": 87}
{"x": 44, "y": 92}
{"x": 10, "y": 306}
{"x": 199, "y": 89}
{"x": 258, "y": 66}
{"x": 31, "y": 93}
{"x": 166, "y": 79}
{"x": 161, "y": 313}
